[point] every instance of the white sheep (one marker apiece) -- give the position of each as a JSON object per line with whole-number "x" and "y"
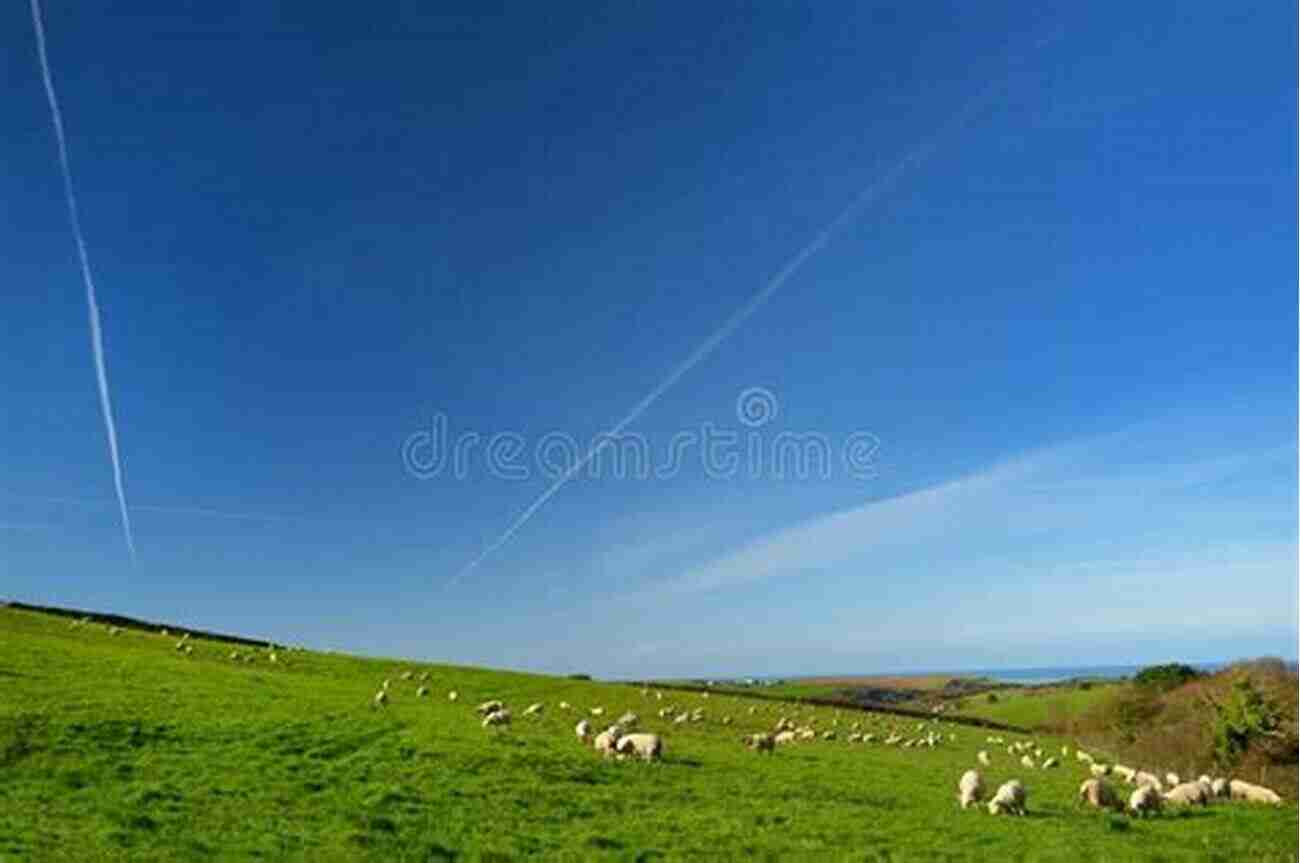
{"x": 760, "y": 742}
{"x": 1188, "y": 794}
{"x": 1144, "y": 800}
{"x": 583, "y": 730}
{"x": 489, "y": 707}
{"x": 1098, "y": 794}
{"x": 453, "y": 695}
{"x": 784, "y": 737}
{"x": 1172, "y": 780}
{"x": 1144, "y": 778}
{"x": 649, "y": 747}
{"x": 1050, "y": 763}
{"x": 497, "y": 717}
{"x": 597, "y": 711}
{"x": 564, "y": 705}
{"x": 1241, "y": 790}
{"x": 1010, "y": 799}
{"x": 1125, "y": 773}
{"x": 533, "y": 709}
{"x": 629, "y": 720}
{"x": 421, "y": 692}
{"x": 1026, "y": 761}
{"x": 1099, "y": 769}
{"x": 606, "y": 741}
{"x": 381, "y": 698}
{"x": 970, "y": 788}
{"x": 983, "y": 758}
{"x": 1219, "y": 787}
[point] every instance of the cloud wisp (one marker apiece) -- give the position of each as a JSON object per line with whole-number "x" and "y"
{"x": 864, "y": 198}
{"x": 92, "y": 304}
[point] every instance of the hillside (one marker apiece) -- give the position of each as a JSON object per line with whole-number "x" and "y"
{"x": 122, "y": 747}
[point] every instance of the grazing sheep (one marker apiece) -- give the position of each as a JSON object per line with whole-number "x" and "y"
{"x": 970, "y": 788}
{"x": 1144, "y": 800}
{"x": 1027, "y": 762}
{"x": 807, "y": 734}
{"x": 424, "y": 676}
{"x": 180, "y": 645}
{"x": 784, "y": 737}
{"x": 629, "y": 720}
{"x": 234, "y": 655}
{"x": 1251, "y": 793}
{"x": 273, "y": 657}
{"x": 1125, "y": 773}
{"x": 1188, "y": 794}
{"x": 533, "y": 710}
{"x": 583, "y": 730}
{"x": 1098, "y": 794}
{"x": 1009, "y": 799}
{"x": 649, "y": 747}
{"x": 497, "y": 717}
{"x": 1080, "y": 755}
{"x": 1219, "y": 787}
{"x": 597, "y": 711}
{"x": 760, "y": 742}
{"x": 381, "y": 698}
{"x": 564, "y": 705}
{"x": 867, "y": 738}
{"x": 1144, "y": 778}
{"x": 983, "y": 758}
{"x": 681, "y": 717}
{"x": 828, "y": 735}
{"x": 188, "y": 650}
{"x": 751, "y": 711}
{"x": 406, "y": 675}
{"x": 1050, "y": 763}
{"x": 726, "y": 720}
{"x": 387, "y": 683}
{"x": 1172, "y": 780}
{"x": 1065, "y": 751}
{"x": 421, "y": 692}
{"x": 606, "y": 741}
{"x": 1098, "y": 769}
{"x": 453, "y": 695}
{"x": 488, "y": 707}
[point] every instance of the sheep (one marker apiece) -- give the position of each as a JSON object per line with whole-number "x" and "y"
{"x": 180, "y": 645}
{"x": 1219, "y": 787}
{"x": 188, "y": 650}
{"x": 681, "y": 717}
{"x": 726, "y": 720}
{"x": 761, "y": 742}
{"x": 970, "y": 788}
{"x": 424, "y": 676}
{"x": 583, "y": 730}
{"x": 1188, "y": 794}
{"x": 807, "y": 734}
{"x": 488, "y": 707}
{"x": 533, "y": 710}
{"x": 1050, "y": 763}
{"x": 1065, "y": 751}
{"x": 273, "y": 657}
{"x": 629, "y": 720}
{"x": 983, "y": 758}
{"x": 1144, "y": 800}
{"x": 1080, "y": 755}
{"x": 1251, "y": 793}
{"x": 1010, "y": 798}
{"x": 1027, "y": 762}
{"x": 564, "y": 705}
{"x": 406, "y": 675}
{"x": 1098, "y": 794}
{"x": 751, "y": 711}
{"x": 1126, "y": 773}
{"x": 606, "y": 741}
{"x": 784, "y": 737}
{"x": 453, "y": 695}
{"x": 1144, "y": 778}
{"x": 500, "y": 716}
{"x": 234, "y": 655}
{"x": 387, "y": 683}
{"x": 1172, "y": 780}
{"x": 421, "y": 692}
{"x": 381, "y": 698}
{"x": 828, "y": 735}
{"x": 1097, "y": 769}
{"x": 597, "y": 711}
{"x": 868, "y": 738}
{"x": 648, "y": 746}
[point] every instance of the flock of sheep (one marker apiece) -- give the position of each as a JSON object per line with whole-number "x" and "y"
{"x": 1147, "y": 797}
{"x": 621, "y": 740}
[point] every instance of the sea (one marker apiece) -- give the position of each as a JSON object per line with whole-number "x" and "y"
{"x": 1027, "y": 676}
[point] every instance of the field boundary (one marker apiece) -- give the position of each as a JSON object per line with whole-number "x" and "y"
{"x": 973, "y": 721}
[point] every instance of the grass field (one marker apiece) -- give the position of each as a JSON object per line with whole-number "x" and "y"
{"x": 1034, "y": 707}
{"x": 120, "y": 747}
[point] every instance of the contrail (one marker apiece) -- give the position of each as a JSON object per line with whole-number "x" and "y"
{"x": 96, "y": 339}
{"x": 867, "y": 196}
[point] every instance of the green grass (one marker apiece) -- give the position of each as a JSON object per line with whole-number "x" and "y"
{"x": 120, "y": 748}
{"x": 1033, "y": 708}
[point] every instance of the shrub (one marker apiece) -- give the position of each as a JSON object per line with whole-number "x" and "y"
{"x": 1245, "y": 716}
{"x": 1165, "y": 677}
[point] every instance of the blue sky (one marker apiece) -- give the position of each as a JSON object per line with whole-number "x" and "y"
{"x": 1068, "y": 323}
